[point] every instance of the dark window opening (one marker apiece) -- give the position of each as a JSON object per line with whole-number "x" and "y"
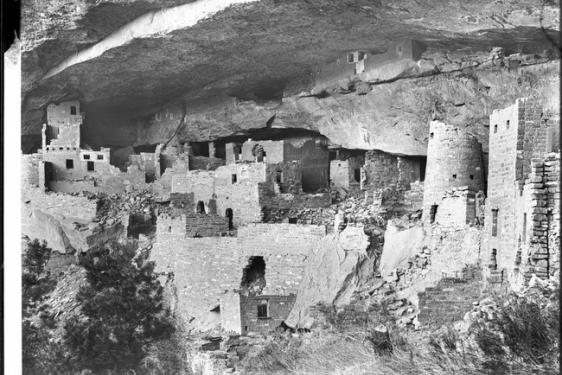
{"x": 245, "y": 328}
{"x": 454, "y": 176}
{"x": 86, "y": 157}
{"x": 494, "y": 222}
{"x": 200, "y": 148}
{"x": 220, "y": 150}
{"x": 357, "y": 174}
{"x": 472, "y": 177}
{"x": 494, "y": 260}
{"x": 90, "y": 166}
{"x": 507, "y": 124}
{"x": 170, "y": 229}
{"x": 423, "y": 163}
{"x": 200, "y": 207}
{"x": 258, "y": 152}
{"x": 72, "y": 110}
{"x": 69, "y": 163}
{"x": 432, "y": 213}
{"x": 278, "y": 177}
{"x": 230, "y": 215}
{"x": 350, "y": 57}
{"x": 292, "y": 220}
{"x": 61, "y": 148}
{"x": 100, "y": 157}
{"x": 263, "y": 309}
{"x": 524, "y": 228}
{"x": 431, "y": 135}
{"x": 234, "y": 178}
{"x": 253, "y": 276}
{"x": 495, "y": 128}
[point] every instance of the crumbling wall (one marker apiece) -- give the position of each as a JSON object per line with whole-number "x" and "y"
{"x": 63, "y": 129}
{"x": 450, "y": 299}
{"x": 454, "y": 159}
{"x": 380, "y": 170}
{"x": 314, "y": 160}
{"x": 147, "y": 163}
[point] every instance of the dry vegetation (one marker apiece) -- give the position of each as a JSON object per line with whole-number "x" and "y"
{"x": 522, "y": 340}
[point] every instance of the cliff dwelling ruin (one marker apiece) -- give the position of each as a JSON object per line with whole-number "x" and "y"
{"x": 269, "y": 170}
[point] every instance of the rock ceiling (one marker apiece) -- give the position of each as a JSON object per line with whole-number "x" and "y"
{"x": 259, "y": 52}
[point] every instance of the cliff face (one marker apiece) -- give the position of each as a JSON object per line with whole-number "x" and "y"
{"x": 233, "y": 66}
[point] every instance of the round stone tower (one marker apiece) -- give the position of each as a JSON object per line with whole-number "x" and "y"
{"x": 454, "y": 160}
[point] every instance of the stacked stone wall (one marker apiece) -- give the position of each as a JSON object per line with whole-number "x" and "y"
{"x": 205, "y": 268}
{"x": 518, "y": 194}
{"x": 201, "y": 225}
{"x": 450, "y": 299}
{"x": 279, "y": 308}
{"x": 380, "y": 170}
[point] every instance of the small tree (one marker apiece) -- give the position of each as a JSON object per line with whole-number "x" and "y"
{"x": 40, "y": 354}
{"x": 123, "y": 309}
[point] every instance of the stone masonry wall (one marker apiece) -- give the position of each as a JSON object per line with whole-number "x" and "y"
{"x": 205, "y": 268}
{"x": 450, "y": 299}
{"x": 279, "y": 308}
{"x": 201, "y": 225}
{"x": 517, "y": 194}
{"x": 380, "y": 170}
{"x": 457, "y": 208}
{"x": 454, "y": 159}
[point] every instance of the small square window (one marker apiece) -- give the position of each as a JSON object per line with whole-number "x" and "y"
{"x": 72, "y": 110}
{"x": 495, "y": 128}
{"x": 61, "y": 148}
{"x": 100, "y": 157}
{"x": 454, "y": 176}
{"x": 234, "y": 178}
{"x": 69, "y": 163}
{"x": 472, "y": 177}
{"x": 292, "y": 220}
{"x": 86, "y": 157}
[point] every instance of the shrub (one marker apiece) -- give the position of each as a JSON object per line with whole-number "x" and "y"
{"x": 123, "y": 310}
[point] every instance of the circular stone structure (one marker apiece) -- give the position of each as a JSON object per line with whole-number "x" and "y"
{"x": 454, "y": 160}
